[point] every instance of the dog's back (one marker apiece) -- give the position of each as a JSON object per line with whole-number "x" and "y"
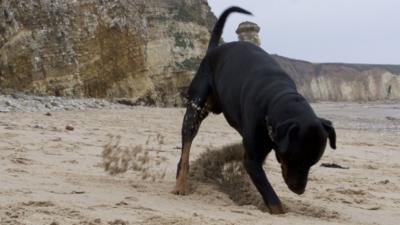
{"x": 240, "y": 70}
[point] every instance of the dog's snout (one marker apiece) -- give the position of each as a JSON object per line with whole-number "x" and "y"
{"x": 297, "y": 189}
{"x": 296, "y": 182}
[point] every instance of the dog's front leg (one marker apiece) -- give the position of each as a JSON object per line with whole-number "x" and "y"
{"x": 195, "y": 114}
{"x": 253, "y": 161}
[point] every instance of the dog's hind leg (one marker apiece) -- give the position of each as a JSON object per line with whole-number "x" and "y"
{"x": 196, "y": 112}
{"x": 191, "y": 123}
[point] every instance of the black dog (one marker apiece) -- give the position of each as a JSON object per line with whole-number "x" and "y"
{"x": 261, "y": 102}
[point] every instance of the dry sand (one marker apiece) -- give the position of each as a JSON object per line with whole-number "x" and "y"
{"x": 50, "y": 175}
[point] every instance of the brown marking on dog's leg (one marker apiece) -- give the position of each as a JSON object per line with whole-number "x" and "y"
{"x": 191, "y": 123}
{"x": 183, "y": 170}
{"x": 276, "y": 209}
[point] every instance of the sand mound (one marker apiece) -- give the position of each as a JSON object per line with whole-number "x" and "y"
{"x": 119, "y": 159}
{"x": 224, "y": 168}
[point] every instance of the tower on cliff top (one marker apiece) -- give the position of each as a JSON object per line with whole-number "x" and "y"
{"x": 248, "y": 31}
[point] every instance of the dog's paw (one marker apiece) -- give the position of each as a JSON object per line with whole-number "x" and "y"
{"x": 179, "y": 191}
{"x": 276, "y": 209}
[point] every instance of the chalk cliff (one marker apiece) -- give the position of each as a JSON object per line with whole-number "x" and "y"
{"x": 143, "y": 51}
{"x": 343, "y": 82}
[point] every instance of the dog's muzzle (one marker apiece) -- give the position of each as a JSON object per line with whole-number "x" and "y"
{"x": 296, "y": 180}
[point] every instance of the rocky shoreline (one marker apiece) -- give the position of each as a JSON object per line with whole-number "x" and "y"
{"x": 22, "y": 102}
{"x": 32, "y": 103}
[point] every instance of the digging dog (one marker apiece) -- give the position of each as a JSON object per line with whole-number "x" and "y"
{"x": 261, "y": 102}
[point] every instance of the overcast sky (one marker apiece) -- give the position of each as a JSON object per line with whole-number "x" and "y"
{"x": 352, "y": 31}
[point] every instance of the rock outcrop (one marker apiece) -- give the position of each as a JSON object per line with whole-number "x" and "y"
{"x": 143, "y": 50}
{"x": 248, "y": 31}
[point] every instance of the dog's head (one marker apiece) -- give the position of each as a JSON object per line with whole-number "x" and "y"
{"x": 300, "y": 145}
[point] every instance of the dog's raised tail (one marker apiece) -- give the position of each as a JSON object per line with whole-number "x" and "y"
{"x": 219, "y": 26}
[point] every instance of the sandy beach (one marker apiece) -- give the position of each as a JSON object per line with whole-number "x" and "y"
{"x": 52, "y": 170}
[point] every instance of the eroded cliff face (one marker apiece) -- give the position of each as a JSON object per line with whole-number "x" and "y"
{"x": 141, "y": 50}
{"x": 343, "y": 82}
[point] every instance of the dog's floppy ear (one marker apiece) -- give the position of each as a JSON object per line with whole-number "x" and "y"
{"x": 330, "y": 130}
{"x": 285, "y": 134}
